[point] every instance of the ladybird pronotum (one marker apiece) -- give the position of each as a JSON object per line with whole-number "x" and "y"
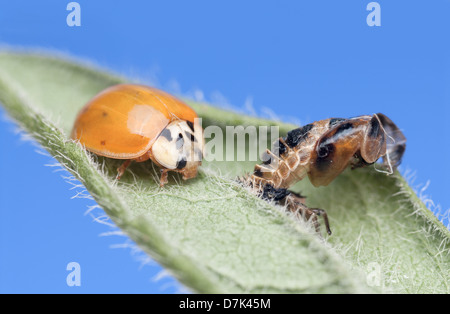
{"x": 137, "y": 123}
{"x": 322, "y": 150}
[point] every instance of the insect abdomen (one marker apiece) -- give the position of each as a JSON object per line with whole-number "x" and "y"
{"x": 288, "y": 161}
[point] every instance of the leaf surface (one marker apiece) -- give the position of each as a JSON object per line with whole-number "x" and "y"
{"x": 215, "y": 236}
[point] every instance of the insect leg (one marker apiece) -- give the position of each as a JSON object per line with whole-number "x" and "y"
{"x": 295, "y": 204}
{"x": 164, "y": 175}
{"x": 323, "y": 213}
{"x": 122, "y": 168}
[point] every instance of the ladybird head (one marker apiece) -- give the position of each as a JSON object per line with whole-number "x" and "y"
{"x": 179, "y": 147}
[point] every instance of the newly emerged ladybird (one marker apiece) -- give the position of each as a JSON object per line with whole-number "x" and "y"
{"x": 322, "y": 150}
{"x": 137, "y": 122}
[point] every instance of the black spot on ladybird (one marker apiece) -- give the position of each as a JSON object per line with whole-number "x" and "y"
{"x": 181, "y": 163}
{"x": 191, "y": 125}
{"x": 103, "y": 143}
{"x": 166, "y": 133}
{"x": 191, "y": 136}
{"x": 180, "y": 141}
{"x": 297, "y": 136}
{"x": 104, "y": 114}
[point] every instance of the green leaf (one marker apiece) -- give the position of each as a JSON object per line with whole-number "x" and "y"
{"x": 214, "y": 235}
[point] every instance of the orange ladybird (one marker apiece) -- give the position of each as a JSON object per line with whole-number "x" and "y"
{"x": 136, "y": 122}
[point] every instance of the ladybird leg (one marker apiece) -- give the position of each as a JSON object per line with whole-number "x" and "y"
{"x": 122, "y": 168}
{"x": 164, "y": 177}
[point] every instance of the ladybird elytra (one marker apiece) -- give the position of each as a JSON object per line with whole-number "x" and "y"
{"x": 137, "y": 122}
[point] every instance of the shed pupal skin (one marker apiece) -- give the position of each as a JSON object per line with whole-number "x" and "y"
{"x": 322, "y": 150}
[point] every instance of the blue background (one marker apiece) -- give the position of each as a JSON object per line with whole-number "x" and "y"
{"x": 302, "y": 61}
